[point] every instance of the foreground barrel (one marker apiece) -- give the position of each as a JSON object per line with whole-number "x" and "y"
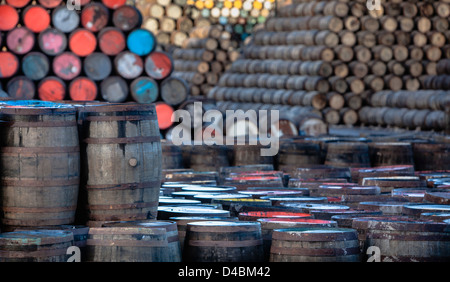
{"x": 35, "y": 246}
{"x": 127, "y": 244}
{"x": 223, "y": 241}
{"x": 123, "y": 161}
{"x": 315, "y": 245}
{"x": 403, "y": 239}
{"x": 40, "y": 160}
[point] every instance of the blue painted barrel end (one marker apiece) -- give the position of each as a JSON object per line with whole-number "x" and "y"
{"x": 141, "y": 42}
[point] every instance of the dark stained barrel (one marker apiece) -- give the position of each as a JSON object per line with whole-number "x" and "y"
{"x": 297, "y": 153}
{"x": 41, "y": 163}
{"x": 347, "y": 154}
{"x": 404, "y": 239}
{"x": 35, "y": 246}
{"x": 97, "y": 66}
{"x": 21, "y": 88}
{"x": 433, "y": 156}
{"x": 391, "y": 153}
{"x": 114, "y": 89}
{"x": 126, "y": 17}
{"x": 111, "y": 41}
{"x": 206, "y": 241}
{"x": 144, "y": 90}
{"x": 174, "y": 90}
{"x": 123, "y": 161}
{"x": 35, "y": 65}
{"x": 315, "y": 245}
{"x": 172, "y": 155}
{"x": 94, "y": 16}
{"x": 127, "y": 244}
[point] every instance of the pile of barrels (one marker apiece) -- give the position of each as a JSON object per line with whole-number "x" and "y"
{"x": 205, "y": 55}
{"x": 343, "y": 53}
{"x": 52, "y": 51}
{"x": 90, "y": 182}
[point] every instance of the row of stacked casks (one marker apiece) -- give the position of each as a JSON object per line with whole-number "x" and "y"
{"x": 96, "y": 51}
{"x": 430, "y": 153}
{"x": 345, "y": 53}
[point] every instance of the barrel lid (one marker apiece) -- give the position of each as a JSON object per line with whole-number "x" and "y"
{"x": 315, "y": 206}
{"x": 415, "y": 208}
{"x": 341, "y": 188}
{"x": 174, "y": 201}
{"x": 142, "y": 223}
{"x": 305, "y": 221}
{"x": 31, "y": 107}
{"x": 206, "y": 188}
{"x": 120, "y": 107}
{"x": 399, "y": 223}
{"x": 35, "y": 237}
{"x": 206, "y": 218}
{"x": 315, "y": 234}
{"x": 224, "y": 223}
{"x": 221, "y": 196}
{"x": 275, "y": 214}
{"x": 295, "y": 198}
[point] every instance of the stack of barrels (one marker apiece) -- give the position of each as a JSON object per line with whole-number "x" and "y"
{"x": 342, "y": 52}
{"x": 205, "y": 55}
{"x": 94, "y": 51}
{"x": 172, "y": 20}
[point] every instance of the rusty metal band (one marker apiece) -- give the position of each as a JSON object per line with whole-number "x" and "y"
{"x": 116, "y": 217}
{"x": 34, "y": 254}
{"x": 36, "y": 222}
{"x": 125, "y": 140}
{"x": 40, "y": 150}
{"x": 40, "y": 123}
{"x": 38, "y": 210}
{"x": 126, "y": 243}
{"x": 409, "y": 237}
{"x": 120, "y": 107}
{"x": 315, "y": 252}
{"x": 229, "y": 244}
{"x": 39, "y": 111}
{"x": 121, "y": 118}
{"x": 123, "y": 206}
{"x": 126, "y": 186}
{"x": 41, "y": 183}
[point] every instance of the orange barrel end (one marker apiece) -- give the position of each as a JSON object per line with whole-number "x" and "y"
{"x": 94, "y": 16}
{"x": 82, "y": 42}
{"x": 127, "y": 18}
{"x": 83, "y": 89}
{"x": 35, "y": 65}
{"x": 21, "y": 88}
{"x": 51, "y": 88}
{"x": 113, "y": 4}
{"x": 114, "y": 89}
{"x": 111, "y": 41}
{"x": 129, "y": 65}
{"x": 36, "y": 18}
{"x": 67, "y": 65}
{"x": 164, "y": 113}
{"x": 20, "y": 40}
{"x": 18, "y": 3}
{"x": 50, "y": 3}
{"x": 9, "y": 16}
{"x": 158, "y": 65}
{"x": 52, "y": 41}
{"x": 9, "y": 64}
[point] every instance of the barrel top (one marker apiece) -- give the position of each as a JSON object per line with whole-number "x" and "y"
{"x": 221, "y": 196}
{"x": 35, "y": 237}
{"x": 141, "y": 223}
{"x": 399, "y": 223}
{"x": 315, "y": 234}
{"x": 224, "y": 223}
{"x": 275, "y": 214}
{"x": 294, "y": 198}
{"x": 178, "y": 201}
{"x": 315, "y": 206}
{"x": 431, "y": 207}
{"x": 311, "y": 221}
{"x": 206, "y": 218}
{"x": 201, "y": 188}
{"x": 120, "y": 107}
{"x": 32, "y": 104}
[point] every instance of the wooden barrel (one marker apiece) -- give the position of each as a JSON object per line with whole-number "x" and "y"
{"x": 83, "y": 89}
{"x": 223, "y": 241}
{"x": 35, "y": 65}
{"x": 64, "y": 19}
{"x": 403, "y": 239}
{"x": 208, "y": 198}
{"x": 20, "y": 40}
{"x": 9, "y": 64}
{"x": 35, "y": 246}
{"x": 255, "y": 215}
{"x": 67, "y": 65}
{"x": 141, "y": 42}
{"x": 310, "y": 207}
{"x": 182, "y": 222}
{"x": 415, "y": 210}
{"x": 43, "y": 190}
{"x": 124, "y": 183}
{"x": 268, "y": 225}
{"x": 94, "y": 16}
{"x": 144, "y": 90}
{"x": 388, "y": 183}
{"x": 21, "y": 87}
{"x": 208, "y": 157}
{"x": 431, "y": 156}
{"x": 322, "y": 171}
{"x": 437, "y": 197}
{"x": 52, "y": 41}
{"x": 111, "y": 41}
{"x": 97, "y": 66}
{"x": 315, "y": 245}
{"x": 297, "y": 153}
{"x": 36, "y": 18}
{"x": 158, "y": 65}
{"x": 382, "y": 171}
{"x": 127, "y": 244}
{"x": 172, "y": 155}
{"x": 126, "y": 17}
{"x": 51, "y": 88}
{"x": 348, "y": 154}
{"x": 171, "y": 231}
{"x": 114, "y": 89}
{"x": 390, "y": 153}
{"x": 387, "y": 208}
{"x": 249, "y": 155}
{"x": 10, "y": 17}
